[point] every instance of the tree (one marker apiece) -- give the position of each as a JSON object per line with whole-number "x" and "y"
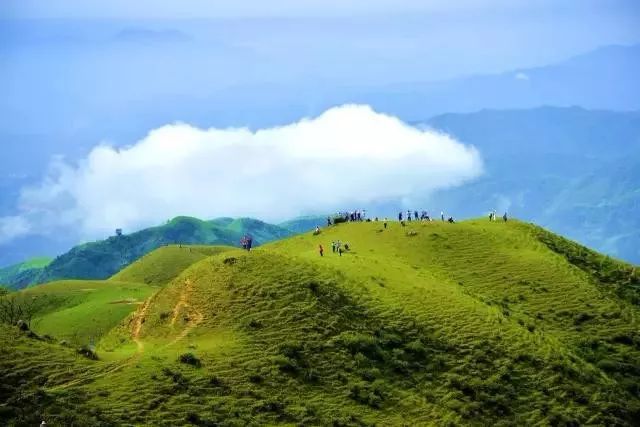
{"x": 13, "y": 309}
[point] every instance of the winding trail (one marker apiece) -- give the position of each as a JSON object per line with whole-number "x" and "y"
{"x": 195, "y": 317}
{"x": 137, "y": 325}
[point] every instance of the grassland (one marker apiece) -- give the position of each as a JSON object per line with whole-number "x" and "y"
{"x": 472, "y": 323}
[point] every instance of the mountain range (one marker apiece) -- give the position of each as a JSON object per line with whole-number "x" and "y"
{"x": 104, "y": 258}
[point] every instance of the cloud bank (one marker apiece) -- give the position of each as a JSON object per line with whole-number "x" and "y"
{"x": 349, "y": 156}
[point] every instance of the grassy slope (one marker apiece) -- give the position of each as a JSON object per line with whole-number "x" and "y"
{"x": 164, "y": 264}
{"x": 82, "y": 311}
{"x": 466, "y": 323}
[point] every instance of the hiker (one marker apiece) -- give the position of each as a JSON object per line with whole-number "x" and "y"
{"x": 490, "y": 216}
{"x": 340, "y": 251}
{"x": 504, "y": 217}
{"x": 400, "y": 216}
{"x": 451, "y": 221}
{"x": 442, "y": 215}
{"x": 243, "y": 242}
{"x": 385, "y": 222}
{"x": 328, "y": 221}
{"x": 249, "y": 243}
{"x": 317, "y": 231}
{"x": 415, "y": 215}
{"x": 321, "y": 250}
{"x": 346, "y": 246}
{"x": 408, "y": 215}
{"x": 333, "y": 247}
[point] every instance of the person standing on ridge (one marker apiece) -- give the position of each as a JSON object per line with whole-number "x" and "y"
{"x": 400, "y": 216}
{"x": 385, "y": 222}
{"x": 328, "y": 221}
{"x": 321, "y": 250}
{"x": 504, "y": 217}
{"x": 442, "y": 215}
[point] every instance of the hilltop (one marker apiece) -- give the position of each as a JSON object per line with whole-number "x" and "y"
{"x": 432, "y": 323}
{"x": 102, "y": 259}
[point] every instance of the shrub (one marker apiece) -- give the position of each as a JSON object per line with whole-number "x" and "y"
{"x": 190, "y": 359}
{"x": 87, "y": 352}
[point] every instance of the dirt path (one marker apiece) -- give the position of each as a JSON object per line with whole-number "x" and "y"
{"x": 137, "y": 324}
{"x": 195, "y": 317}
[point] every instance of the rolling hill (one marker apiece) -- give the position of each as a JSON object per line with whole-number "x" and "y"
{"x": 432, "y": 323}
{"x": 102, "y": 259}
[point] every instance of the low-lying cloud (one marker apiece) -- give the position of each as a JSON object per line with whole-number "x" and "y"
{"x": 350, "y": 156}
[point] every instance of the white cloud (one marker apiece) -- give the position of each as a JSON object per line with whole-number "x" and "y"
{"x": 521, "y": 76}
{"x": 348, "y": 156}
{"x": 12, "y": 227}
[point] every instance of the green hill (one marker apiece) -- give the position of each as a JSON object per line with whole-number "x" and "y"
{"x": 430, "y": 324}
{"x": 102, "y": 259}
{"x": 82, "y": 311}
{"x": 20, "y": 275}
{"x": 166, "y": 263}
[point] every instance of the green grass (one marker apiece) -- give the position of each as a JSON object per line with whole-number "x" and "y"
{"x": 433, "y": 323}
{"x": 82, "y": 311}
{"x": 164, "y": 264}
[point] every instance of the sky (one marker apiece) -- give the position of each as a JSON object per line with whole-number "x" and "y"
{"x": 84, "y": 82}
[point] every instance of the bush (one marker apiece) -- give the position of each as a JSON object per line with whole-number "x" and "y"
{"x": 190, "y": 359}
{"x": 88, "y": 352}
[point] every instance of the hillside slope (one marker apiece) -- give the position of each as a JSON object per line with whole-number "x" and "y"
{"x": 102, "y": 259}
{"x": 432, "y": 323}
{"x": 165, "y": 264}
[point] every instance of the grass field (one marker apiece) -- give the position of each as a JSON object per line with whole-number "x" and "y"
{"x": 472, "y": 323}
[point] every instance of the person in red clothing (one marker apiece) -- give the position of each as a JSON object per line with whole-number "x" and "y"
{"x": 321, "y": 250}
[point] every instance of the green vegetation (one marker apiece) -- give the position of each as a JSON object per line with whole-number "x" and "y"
{"x": 82, "y": 311}
{"x": 432, "y": 323}
{"x": 102, "y": 259}
{"x": 166, "y": 263}
{"x": 20, "y": 275}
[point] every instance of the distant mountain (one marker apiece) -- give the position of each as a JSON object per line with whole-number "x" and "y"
{"x": 303, "y": 224}
{"x": 605, "y": 78}
{"x": 21, "y": 274}
{"x": 102, "y": 259}
{"x": 573, "y": 170}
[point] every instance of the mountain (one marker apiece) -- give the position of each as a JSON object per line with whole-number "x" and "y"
{"x": 605, "y": 78}
{"x": 21, "y": 274}
{"x": 475, "y": 322}
{"x": 303, "y": 224}
{"x": 569, "y": 169}
{"x": 102, "y": 259}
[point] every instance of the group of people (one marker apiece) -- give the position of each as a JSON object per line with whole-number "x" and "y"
{"x": 336, "y": 247}
{"x": 422, "y": 216}
{"x": 356, "y": 215}
{"x": 492, "y": 216}
{"x": 246, "y": 241}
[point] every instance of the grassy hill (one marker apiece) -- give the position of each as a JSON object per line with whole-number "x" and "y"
{"x": 433, "y": 323}
{"x": 166, "y": 263}
{"x": 21, "y": 274}
{"x": 102, "y": 259}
